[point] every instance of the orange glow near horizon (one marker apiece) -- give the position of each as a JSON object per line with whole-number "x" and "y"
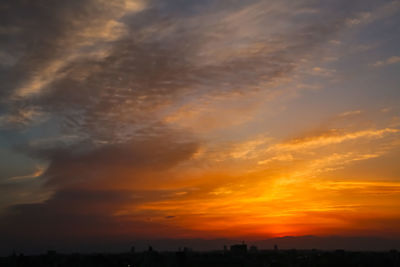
{"x": 287, "y": 198}
{"x": 295, "y": 192}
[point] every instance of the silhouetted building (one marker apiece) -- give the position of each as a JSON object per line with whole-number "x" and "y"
{"x": 253, "y": 249}
{"x": 151, "y": 258}
{"x": 51, "y": 253}
{"x": 181, "y": 258}
{"x": 239, "y": 249}
{"x": 187, "y": 250}
{"x": 186, "y": 258}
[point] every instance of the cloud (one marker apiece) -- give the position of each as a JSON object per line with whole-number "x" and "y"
{"x": 76, "y": 26}
{"x": 114, "y": 163}
{"x": 350, "y": 113}
{"x": 77, "y": 214}
{"x": 389, "y": 61}
{"x": 21, "y": 117}
{"x": 370, "y": 186}
{"x": 329, "y": 138}
{"x": 101, "y": 58}
{"x": 378, "y": 12}
{"x": 39, "y": 171}
{"x": 109, "y": 72}
{"x": 318, "y": 153}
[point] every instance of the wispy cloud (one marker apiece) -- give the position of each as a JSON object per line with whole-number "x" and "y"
{"x": 390, "y": 61}
{"x": 39, "y": 171}
{"x": 329, "y": 138}
{"x": 350, "y": 113}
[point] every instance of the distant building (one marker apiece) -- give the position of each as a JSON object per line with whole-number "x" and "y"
{"x": 239, "y": 249}
{"x": 51, "y": 252}
{"x": 253, "y": 249}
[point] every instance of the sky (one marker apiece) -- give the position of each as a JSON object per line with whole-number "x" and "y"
{"x": 147, "y": 119}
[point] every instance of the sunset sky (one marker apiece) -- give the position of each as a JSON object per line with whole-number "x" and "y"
{"x": 199, "y": 119}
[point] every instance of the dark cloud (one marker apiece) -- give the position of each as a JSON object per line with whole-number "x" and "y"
{"x": 152, "y": 65}
{"x": 76, "y": 215}
{"x": 115, "y": 162}
{"x": 145, "y": 71}
{"x": 34, "y": 32}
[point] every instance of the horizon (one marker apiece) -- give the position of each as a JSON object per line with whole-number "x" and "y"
{"x": 284, "y": 243}
{"x": 178, "y": 120}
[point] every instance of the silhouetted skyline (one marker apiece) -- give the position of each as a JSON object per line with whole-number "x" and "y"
{"x": 236, "y": 256}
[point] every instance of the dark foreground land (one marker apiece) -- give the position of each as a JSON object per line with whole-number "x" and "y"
{"x": 188, "y": 258}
